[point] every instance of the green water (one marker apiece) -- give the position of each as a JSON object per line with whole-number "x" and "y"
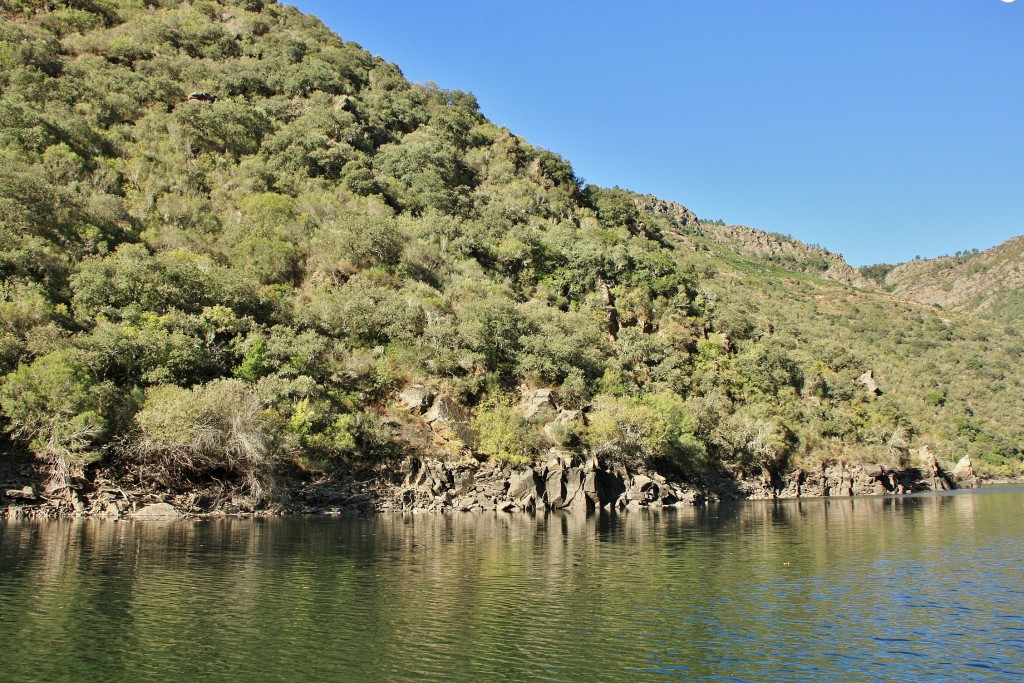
{"x": 928, "y": 588}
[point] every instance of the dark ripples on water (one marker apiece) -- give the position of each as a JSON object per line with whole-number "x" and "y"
{"x": 923, "y": 588}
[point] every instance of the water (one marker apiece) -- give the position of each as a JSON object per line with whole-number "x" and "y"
{"x": 924, "y": 588}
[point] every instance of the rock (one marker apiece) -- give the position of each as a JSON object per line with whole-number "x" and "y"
{"x": 879, "y": 489}
{"x": 603, "y": 488}
{"x": 554, "y": 489}
{"x": 344, "y": 103}
{"x": 522, "y": 485}
{"x": 157, "y": 512}
{"x": 445, "y": 409}
{"x": 575, "y": 498}
{"x": 964, "y": 470}
{"x": 208, "y": 98}
{"x": 936, "y": 478}
{"x": 463, "y": 481}
{"x": 874, "y": 471}
{"x": 24, "y": 493}
{"x": 536, "y": 403}
{"x": 416, "y": 399}
{"x": 868, "y": 380}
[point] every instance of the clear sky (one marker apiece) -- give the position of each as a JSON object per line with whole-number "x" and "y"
{"x": 881, "y": 129}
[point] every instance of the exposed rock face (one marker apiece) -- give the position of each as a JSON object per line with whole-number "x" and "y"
{"x": 416, "y": 398}
{"x": 24, "y": 493}
{"x": 964, "y": 473}
{"x": 868, "y": 380}
{"x": 437, "y": 485}
{"x": 784, "y": 251}
{"x": 677, "y": 212}
{"x": 971, "y": 284}
{"x": 537, "y": 402}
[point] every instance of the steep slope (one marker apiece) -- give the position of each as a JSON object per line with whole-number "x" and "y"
{"x": 989, "y": 283}
{"x": 773, "y": 248}
{"x": 235, "y": 248}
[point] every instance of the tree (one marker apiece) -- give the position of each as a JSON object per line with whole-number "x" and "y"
{"x": 55, "y": 406}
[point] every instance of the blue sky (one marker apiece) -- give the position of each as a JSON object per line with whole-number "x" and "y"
{"x": 881, "y": 129}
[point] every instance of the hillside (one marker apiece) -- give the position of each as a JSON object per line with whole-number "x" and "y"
{"x": 235, "y": 248}
{"x": 988, "y": 284}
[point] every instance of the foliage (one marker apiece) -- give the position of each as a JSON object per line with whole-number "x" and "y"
{"x": 504, "y": 434}
{"x": 228, "y": 238}
{"x": 649, "y": 430}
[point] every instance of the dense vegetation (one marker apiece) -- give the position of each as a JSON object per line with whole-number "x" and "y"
{"x": 229, "y": 240}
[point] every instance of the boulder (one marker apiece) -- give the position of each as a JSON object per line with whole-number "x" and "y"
{"x": 868, "y": 380}
{"x": 522, "y": 485}
{"x": 24, "y": 493}
{"x": 157, "y": 512}
{"x": 417, "y": 399}
{"x": 964, "y": 470}
{"x": 344, "y": 103}
{"x": 537, "y": 402}
{"x": 554, "y": 488}
{"x": 873, "y": 471}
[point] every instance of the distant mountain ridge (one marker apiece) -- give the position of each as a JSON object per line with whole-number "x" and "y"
{"x": 988, "y": 283}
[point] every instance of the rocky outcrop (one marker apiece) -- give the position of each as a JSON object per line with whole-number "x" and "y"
{"x": 564, "y": 483}
{"x": 868, "y": 380}
{"x": 964, "y": 473}
{"x": 775, "y": 248}
{"x": 435, "y": 485}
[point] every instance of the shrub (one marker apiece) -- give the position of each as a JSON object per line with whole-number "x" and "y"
{"x": 504, "y": 435}
{"x": 647, "y": 430}
{"x": 54, "y": 405}
{"x": 216, "y": 427}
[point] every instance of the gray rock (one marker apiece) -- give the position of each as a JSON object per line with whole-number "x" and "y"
{"x": 554, "y": 489}
{"x": 575, "y": 498}
{"x": 603, "y": 488}
{"x": 536, "y": 403}
{"x": 964, "y": 469}
{"x": 522, "y": 485}
{"x": 157, "y": 512}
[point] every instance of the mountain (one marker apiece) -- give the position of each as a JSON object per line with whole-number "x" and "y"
{"x": 239, "y": 251}
{"x": 988, "y": 284}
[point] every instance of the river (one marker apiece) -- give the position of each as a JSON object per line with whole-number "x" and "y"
{"x": 924, "y": 588}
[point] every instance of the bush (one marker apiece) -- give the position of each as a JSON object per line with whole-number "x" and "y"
{"x": 214, "y": 428}
{"x": 54, "y": 405}
{"x": 504, "y": 435}
{"x": 648, "y": 430}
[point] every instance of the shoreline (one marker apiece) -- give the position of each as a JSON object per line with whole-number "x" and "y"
{"x": 429, "y": 485}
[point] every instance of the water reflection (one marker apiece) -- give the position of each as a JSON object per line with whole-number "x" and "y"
{"x": 851, "y": 589}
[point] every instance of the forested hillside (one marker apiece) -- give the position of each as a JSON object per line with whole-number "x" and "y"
{"x": 235, "y": 246}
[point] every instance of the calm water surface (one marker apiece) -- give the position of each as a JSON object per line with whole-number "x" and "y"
{"x": 922, "y": 588}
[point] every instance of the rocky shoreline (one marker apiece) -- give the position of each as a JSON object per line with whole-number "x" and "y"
{"x": 431, "y": 485}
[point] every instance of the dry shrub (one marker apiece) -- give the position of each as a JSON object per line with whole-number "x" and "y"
{"x": 213, "y": 428}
